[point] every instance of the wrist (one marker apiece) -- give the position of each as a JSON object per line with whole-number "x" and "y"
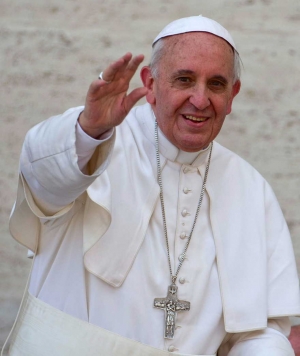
{"x": 94, "y": 132}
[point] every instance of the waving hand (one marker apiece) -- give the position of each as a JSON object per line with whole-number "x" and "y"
{"x": 107, "y": 101}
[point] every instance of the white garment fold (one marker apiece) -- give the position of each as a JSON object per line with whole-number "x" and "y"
{"x": 248, "y": 254}
{"x": 46, "y": 331}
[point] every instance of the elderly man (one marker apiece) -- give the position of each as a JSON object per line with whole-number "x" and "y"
{"x": 149, "y": 237}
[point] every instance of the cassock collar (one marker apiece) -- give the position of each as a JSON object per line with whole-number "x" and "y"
{"x": 168, "y": 150}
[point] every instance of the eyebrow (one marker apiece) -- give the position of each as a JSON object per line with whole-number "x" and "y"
{"x": 183, "y": 72}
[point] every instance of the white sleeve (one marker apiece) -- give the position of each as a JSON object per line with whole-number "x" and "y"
{"x": 272, "y": 341}
{"x": 86, "y": 145}
{"x": 50, "y": 161}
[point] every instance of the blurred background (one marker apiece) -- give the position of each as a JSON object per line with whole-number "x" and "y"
{"x": 51, "y": 50}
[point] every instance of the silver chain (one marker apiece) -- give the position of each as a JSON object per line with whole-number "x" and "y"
{"x": 159, "y": 179}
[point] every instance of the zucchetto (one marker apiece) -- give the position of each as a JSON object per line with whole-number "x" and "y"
{"x": 195, "y": 24}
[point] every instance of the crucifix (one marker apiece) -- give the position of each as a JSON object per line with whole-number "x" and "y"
{"x": 171, "y": 305}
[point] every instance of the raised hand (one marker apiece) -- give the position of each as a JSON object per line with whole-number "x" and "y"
{"x": 107, "y": 102}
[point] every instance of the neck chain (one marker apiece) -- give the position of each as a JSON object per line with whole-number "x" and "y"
{"x": 171, "y": 304}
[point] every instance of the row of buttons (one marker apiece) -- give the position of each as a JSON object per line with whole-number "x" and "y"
{"x": 183, "y": 235}
{"x": 185, "y": 212}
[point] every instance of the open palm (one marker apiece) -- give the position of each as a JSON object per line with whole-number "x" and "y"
{"x": 107, "y": 104}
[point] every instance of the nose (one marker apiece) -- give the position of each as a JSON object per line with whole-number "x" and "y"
{"x": 199, "y": 98}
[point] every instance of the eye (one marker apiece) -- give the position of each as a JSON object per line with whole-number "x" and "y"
{"x": 184, "y": 79}
{"x": 182, "y": 82}
{"x": 217, "y": 84}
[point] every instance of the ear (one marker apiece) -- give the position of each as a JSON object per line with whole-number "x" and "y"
{"x": 235, "y": 90}
{"x": 148, "y": 82}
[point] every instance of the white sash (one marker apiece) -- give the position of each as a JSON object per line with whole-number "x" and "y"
{"x": 43, "y": 330}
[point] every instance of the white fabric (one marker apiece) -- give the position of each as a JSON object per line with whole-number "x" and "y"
{"x": 45, "y": 331}
{"x": 59, "y": 277}
{"x": 195, "y": 24}
{"x": 259, "y": 344}
{"x": 86, "y": 145}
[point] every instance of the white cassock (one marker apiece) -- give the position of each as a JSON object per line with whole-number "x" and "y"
{"x": 102, "y": 258}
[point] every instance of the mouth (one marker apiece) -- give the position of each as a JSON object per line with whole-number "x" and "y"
{"x": 194, "y": 118}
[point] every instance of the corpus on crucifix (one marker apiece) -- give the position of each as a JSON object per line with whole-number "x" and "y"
{"x": 171, "y": 305}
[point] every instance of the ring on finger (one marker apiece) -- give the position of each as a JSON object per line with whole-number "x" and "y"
{"x": 101, "y": 77}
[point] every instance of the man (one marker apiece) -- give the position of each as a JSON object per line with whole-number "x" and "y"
{"x": 130, "y": 211}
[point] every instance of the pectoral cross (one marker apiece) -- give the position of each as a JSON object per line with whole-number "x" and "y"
{"x": 171, "y": 306}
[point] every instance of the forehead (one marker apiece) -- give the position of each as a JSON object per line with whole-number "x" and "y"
{"x": 197, "y": 49}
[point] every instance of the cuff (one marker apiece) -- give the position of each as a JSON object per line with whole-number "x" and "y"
{"x": 86, "y": 145}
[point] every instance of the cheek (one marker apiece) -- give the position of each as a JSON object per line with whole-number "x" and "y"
{"x": 168, "y": 103}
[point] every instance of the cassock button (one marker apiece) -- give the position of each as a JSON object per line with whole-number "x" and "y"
{"x": 186, "y": 190}
{"x": 183, "y": 235}
{"x": 184, "y": 212}
{"x": 182, "y": 257}
{"x": 182, "y": 280}
{"x": 171, "y": 348}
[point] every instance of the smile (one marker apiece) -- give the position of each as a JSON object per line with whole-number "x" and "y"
{"x": 193, "y": 118}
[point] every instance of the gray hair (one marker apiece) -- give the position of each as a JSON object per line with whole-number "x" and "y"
{"x": 158, "y": 52}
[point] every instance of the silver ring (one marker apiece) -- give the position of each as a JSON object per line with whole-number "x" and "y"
{"x": 101, "y": 77}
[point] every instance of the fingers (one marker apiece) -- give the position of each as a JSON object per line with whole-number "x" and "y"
{"x": 95, "y": 86}
{"x": 110, "y": 72}
{"x": 124, "y": 67}
{"x": 133, "y": 65}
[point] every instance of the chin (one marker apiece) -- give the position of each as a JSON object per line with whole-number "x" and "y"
{"x": 192, "y": 148}
{"x": 191, "y": 142}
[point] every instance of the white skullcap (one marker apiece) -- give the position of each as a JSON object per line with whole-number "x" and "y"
{"x": 195, "y": 24}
